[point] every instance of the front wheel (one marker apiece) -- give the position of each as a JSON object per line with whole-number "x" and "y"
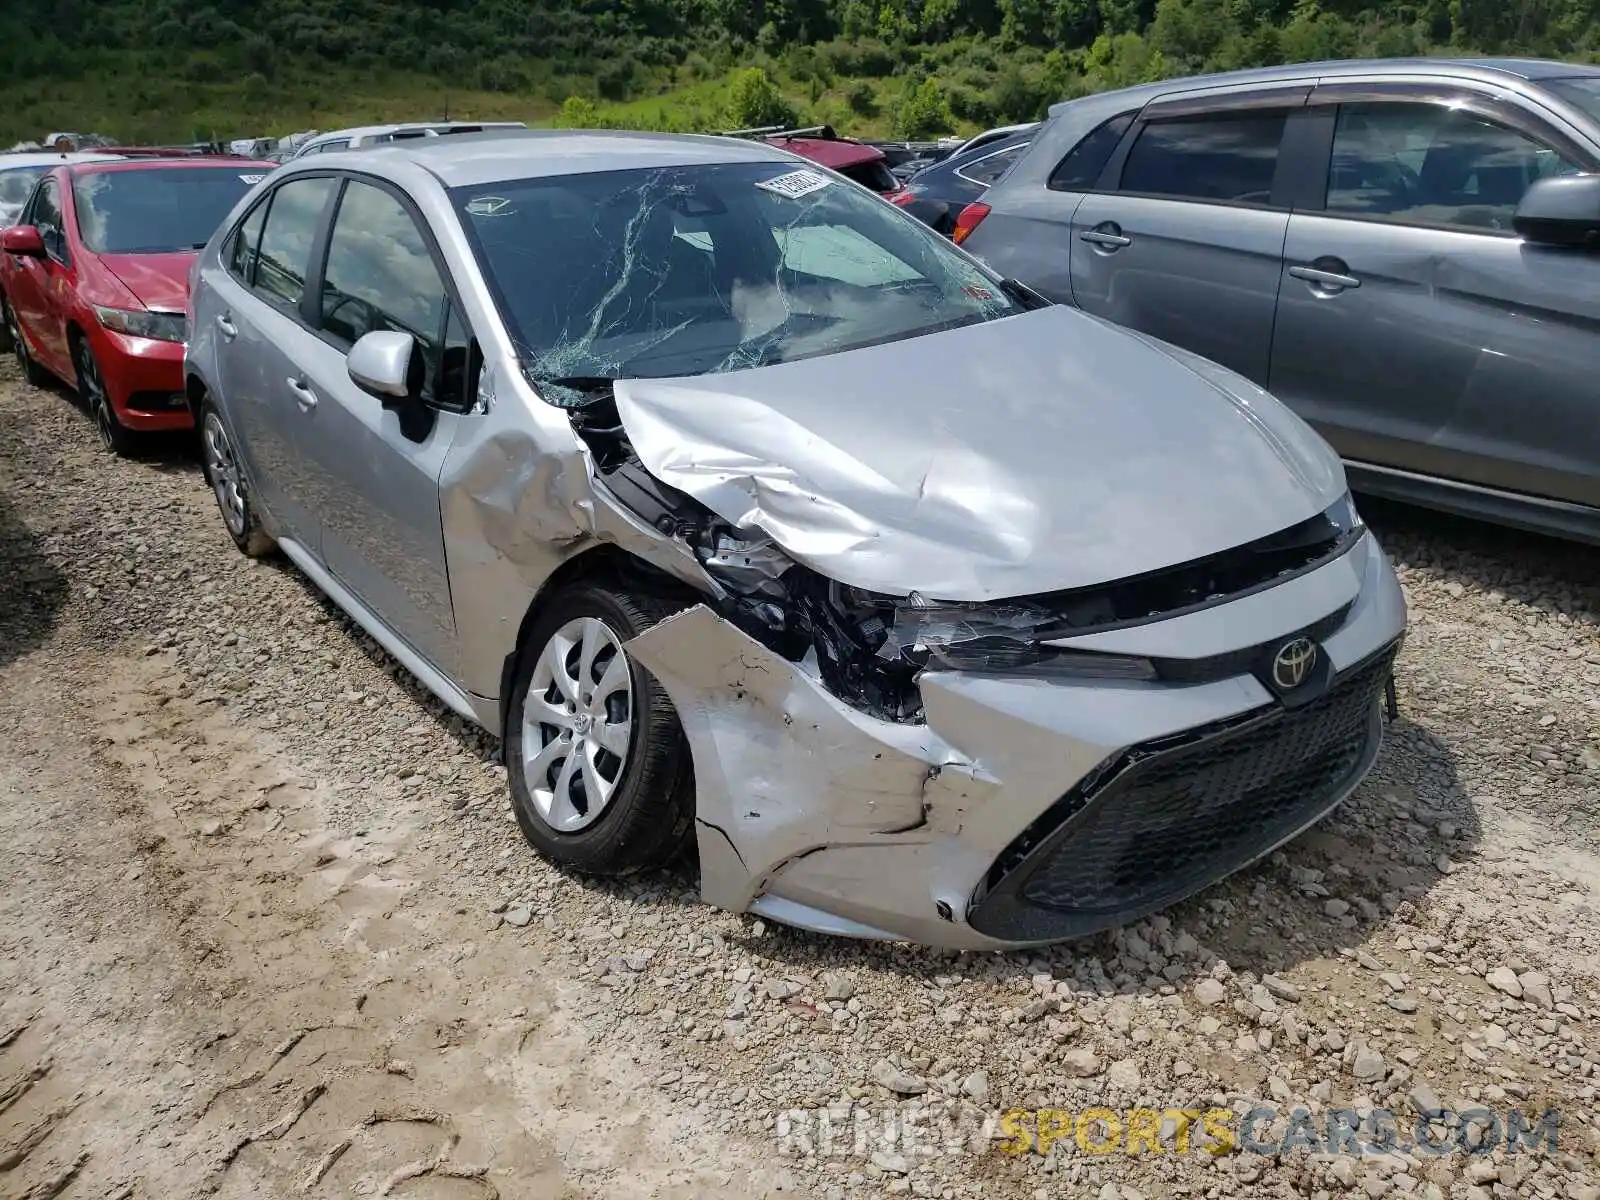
{"x": 92, "y": 390}
{"x": 223, "y": 473}
{"x": 600, "y": 773}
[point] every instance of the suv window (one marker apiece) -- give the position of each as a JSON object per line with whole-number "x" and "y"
{"x": 245, "y": 247}
{"x": 381, "y": 275}
{"x": 986, "y": 170}
{"x": 1084, "y": 162}
{"x": 329, "y": 147}
{"x": 45, "y": 216}
{"x": 1228, "y": 157}
{"x": 1428, "y": 164}
{"x": 285, "y": 257}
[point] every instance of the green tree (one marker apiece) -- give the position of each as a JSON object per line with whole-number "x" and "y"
{"x": 923, "y": 111}
{"x": 754, "y": 101}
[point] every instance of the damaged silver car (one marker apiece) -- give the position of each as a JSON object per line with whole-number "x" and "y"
{"x": 754, "y": 515}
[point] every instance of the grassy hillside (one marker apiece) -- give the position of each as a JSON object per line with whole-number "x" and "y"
{"x": 179, "y": 69}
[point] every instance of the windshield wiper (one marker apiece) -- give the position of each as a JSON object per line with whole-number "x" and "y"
{"x": 579, "y": 383}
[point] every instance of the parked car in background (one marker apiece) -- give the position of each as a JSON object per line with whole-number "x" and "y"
{"x": 937, "y": 194}
{"x": 377, "y": 135}
{"x": 857, "y": 161}
{"x": 19, "y": 172}
{"x": 94, "y": 281}
{"x": 929, "y": 609}
{"x": 1403, "y": 251}
{"x": 991, "y": 136}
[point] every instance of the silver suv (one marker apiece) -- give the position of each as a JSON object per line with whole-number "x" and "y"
{"x": 748, "y": 510}
{"x": 1403, "y": 252}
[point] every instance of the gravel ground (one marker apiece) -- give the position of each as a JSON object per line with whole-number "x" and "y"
{"x": 269, "y": 930}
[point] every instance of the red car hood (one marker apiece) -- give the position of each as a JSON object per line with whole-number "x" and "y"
{"x": 159, "y": 281}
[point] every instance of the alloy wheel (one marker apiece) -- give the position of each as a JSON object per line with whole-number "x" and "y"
{"x": 577, "y": 724}
{"x": 223, "y": 469}
{"x": 94, "y": 395}
{"x": 15, "y": 334}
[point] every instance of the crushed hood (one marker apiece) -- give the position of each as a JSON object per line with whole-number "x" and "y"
{"x": 1040, "y": 452}
{"x": 158, "y": 281}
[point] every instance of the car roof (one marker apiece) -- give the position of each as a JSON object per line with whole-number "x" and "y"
{"x": 362, "y": 131}
{"x": 1486, "y": 70}
{"x": 470, "y": 159}
{"x": 830, "y": 152}
{"x": 177, "y": 160}
{"x": 47, "y": 158}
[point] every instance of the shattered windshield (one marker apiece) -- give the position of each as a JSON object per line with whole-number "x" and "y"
{"x": 698, "y": 270}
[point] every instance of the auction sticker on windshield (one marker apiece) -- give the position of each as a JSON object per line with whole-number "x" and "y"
{"x": 252, "y": 180}
{"x": 795, "y": 184}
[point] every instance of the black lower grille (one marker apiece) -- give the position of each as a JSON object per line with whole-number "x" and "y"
{"x": 1167, "y": 818}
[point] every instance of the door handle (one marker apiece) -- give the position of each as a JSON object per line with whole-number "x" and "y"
{"x": 1103, "y": 237}
{"x": 1328, "y": 279}
{"x": 303, "y": 395}
{"x": 227, "y": 328}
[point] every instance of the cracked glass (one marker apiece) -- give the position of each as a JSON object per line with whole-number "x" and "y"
{"x": 699, "y": 270}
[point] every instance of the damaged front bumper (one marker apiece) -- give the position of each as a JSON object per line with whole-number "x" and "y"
{"x": 1024, "y": 810}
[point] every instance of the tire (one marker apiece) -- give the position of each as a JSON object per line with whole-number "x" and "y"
{"x": 645, "y": 816}
{"x": 92, "y": 391}
{"x": 32, "y": 372}
{"x": 225, "y": 476}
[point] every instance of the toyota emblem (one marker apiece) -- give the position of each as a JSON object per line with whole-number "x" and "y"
{"x": 1291, "y": 666}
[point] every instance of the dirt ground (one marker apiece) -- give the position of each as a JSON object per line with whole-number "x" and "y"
{"x": 267, "y": 929}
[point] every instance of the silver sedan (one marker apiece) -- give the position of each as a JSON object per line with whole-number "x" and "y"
{"x": 752, "y": 514}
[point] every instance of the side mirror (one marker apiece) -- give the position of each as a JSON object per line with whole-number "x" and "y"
{"x": 23, "y": 240}
{"x": 1561, "y": 210}
{"x": 387, "y": 364}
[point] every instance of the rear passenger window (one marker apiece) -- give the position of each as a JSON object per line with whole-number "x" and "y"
{"x": 245, "y": 246}
{"x": 1228, "y": 157}
{"x": 284, "y": 260}
{"x": 1079, "y": 170}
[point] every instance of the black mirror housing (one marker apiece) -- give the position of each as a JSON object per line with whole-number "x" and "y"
{"x": 1561, "y": 210}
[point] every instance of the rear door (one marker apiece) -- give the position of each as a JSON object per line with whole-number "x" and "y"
{"x": 376, "y": 467}
{"x": 260, "y": 331}
{"x": 1183, "y": 235}
{"x": 1415, "y": 329}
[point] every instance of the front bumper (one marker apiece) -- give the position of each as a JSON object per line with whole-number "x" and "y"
{"x": 144, "y": 379}
{"x": 1024, "y": 811}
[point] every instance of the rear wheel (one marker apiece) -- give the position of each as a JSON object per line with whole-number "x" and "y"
{"x": 223, "y": 473}
{"x": 92, "y": 389}
{"x": 600, "y": 774}
{"x": 36, "y": 375}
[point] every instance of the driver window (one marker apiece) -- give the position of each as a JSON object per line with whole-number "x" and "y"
{"x": 46, "y": 217}
{"x": 381, "y": 276}
{"x": 1429, "y": 164}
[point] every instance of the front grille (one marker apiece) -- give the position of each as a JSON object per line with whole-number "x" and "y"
{"x": 1167, "y": 818}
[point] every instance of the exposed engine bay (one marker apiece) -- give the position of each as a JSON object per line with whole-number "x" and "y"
{"x": 869, "y": 649}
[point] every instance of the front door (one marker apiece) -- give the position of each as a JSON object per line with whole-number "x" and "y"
{"x": 1417, "y": 331}
{"x": 377, "y": 465}
{"x": 1189, "y": 244}
{"x": 40, "y": 286}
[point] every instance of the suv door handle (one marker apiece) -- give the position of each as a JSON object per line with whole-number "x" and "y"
{"x": 1108, "y": 238}
{"x": 303, "y": 395}
{"x": 227, "y": 329}
{"x": 1335, "y": 280}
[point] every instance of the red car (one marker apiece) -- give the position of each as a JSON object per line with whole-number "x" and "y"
{"x": 866, "y": 165}
{"x": 94, "y": 280}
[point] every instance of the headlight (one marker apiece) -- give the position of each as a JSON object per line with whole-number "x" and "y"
{"x": 1342, "y": 515}
{"x": 159, "y": 326}
{"x": 998, "y": 638}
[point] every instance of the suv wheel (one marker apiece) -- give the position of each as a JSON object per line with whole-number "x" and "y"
{"x": 36, "y": 375}
{"x": 226, "y": 477}
{"x": 600, "y": 774}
